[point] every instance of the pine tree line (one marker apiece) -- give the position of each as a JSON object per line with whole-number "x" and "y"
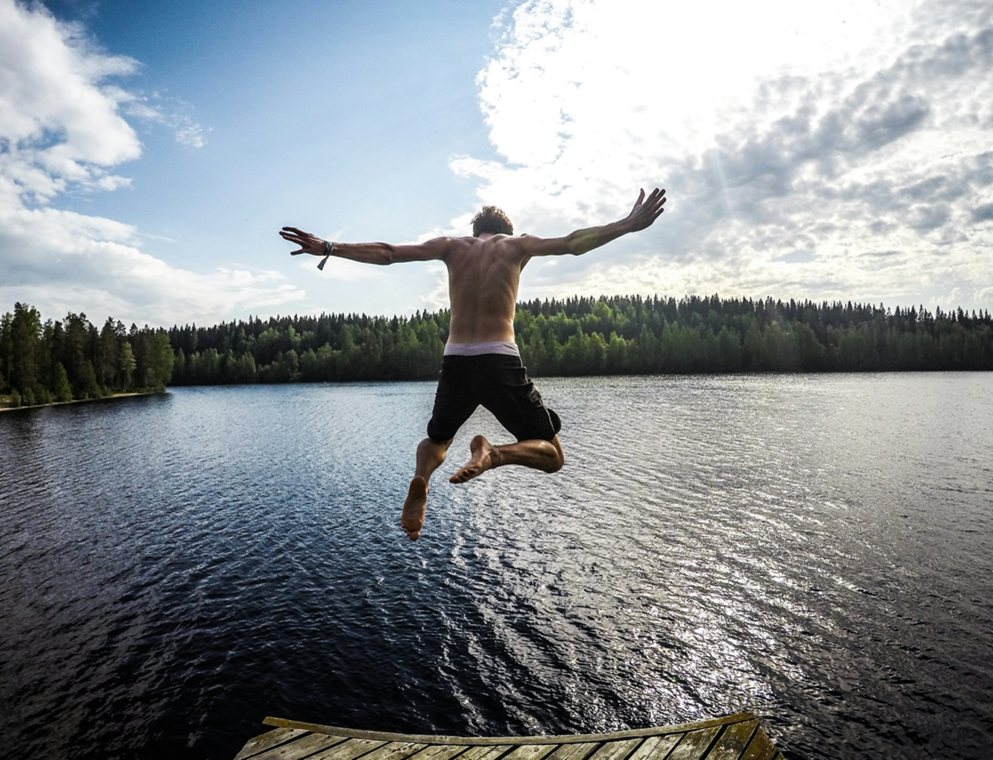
{"x": 41, "y": 363}
{"x": 585, "y": 336}
{"x": 330, "y": 347}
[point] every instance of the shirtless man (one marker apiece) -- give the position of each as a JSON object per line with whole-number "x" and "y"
{"x": 482, "y": 364}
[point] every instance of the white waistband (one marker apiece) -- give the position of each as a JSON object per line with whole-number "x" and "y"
{"x": 507, "y": 348}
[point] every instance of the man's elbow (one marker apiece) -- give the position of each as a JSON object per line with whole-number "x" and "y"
{"x": 574, "y": 244}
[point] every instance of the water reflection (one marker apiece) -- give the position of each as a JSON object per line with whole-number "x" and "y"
{"x": 175, "y": 569}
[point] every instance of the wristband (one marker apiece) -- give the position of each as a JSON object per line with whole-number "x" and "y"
{"x": 328, "y": 250}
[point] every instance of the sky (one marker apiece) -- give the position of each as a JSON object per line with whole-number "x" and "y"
{"x": 150, "y": 152}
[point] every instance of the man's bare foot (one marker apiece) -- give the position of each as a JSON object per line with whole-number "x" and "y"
{"x": 485, "y": 457}
{"x": 412, "y": 517}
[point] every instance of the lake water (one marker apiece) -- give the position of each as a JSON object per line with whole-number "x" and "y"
{"x": 813, "y": 548}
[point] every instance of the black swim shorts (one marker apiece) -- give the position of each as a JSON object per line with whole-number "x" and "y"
{"x": 501, "y": 384}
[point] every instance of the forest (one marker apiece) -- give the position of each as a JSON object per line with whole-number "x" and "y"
{"x": 592, "y": 336}
{"x": 43, "y": 363}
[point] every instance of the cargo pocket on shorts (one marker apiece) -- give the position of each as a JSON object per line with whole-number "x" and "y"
{"x": 515, "y": 377}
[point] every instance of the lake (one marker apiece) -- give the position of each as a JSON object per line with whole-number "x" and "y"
{"x": 815, "y": 548}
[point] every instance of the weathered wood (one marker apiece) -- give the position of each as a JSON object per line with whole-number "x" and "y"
{"x": 303, "y": 746}
{"x": 733, "y": 741}
{"x": 760, "y": 747}
{"x": 656, "y": 747}
{"x": 616, "y": 750}
{"x": 395, "y": 751}
{"x": 530, "y": 752}
{"x": 349, "y": 749}
{"x": 734, "y": 737}
{"x": 439, "y": 752}
{"x": 694, "y": 744}
{"x": 573, "y": 751}
{"x": 267, "y": 741}
{"x": 483, "y": 740}
{"x": 484, "y": 752}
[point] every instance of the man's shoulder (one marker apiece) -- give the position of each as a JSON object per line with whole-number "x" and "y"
{"x": 494, "y": 243}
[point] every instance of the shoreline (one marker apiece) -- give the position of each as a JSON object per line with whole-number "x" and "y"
{"x": 5, "y": 407}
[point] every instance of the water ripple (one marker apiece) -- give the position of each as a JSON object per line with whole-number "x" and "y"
{"x": 176, "y": 568}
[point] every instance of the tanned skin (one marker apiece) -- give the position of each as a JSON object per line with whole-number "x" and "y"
{"x": 483, "y": 277}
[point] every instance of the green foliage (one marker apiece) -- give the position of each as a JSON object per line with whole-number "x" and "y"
{"x": 47, "y": 361}
{"x": 25, "y": 327}
{"x": 126, "y": 366}
{"x": 586, "y": 336}
{"x": 60, "y": 361}
{"x": 63, "y": 391}
{"x": 310, "y": 349}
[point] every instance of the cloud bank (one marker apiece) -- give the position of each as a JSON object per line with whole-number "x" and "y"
{"x": 829, "y": 151}
{"x": 62, "y": 128}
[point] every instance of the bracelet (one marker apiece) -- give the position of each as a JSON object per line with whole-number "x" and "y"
{"x": 328, "y": 250}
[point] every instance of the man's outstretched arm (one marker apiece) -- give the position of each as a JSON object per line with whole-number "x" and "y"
{"x": 644, "y": 214}
{"x": 367, "y": 253}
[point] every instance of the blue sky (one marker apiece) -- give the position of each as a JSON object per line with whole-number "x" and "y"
{"x": 150, "y": 152}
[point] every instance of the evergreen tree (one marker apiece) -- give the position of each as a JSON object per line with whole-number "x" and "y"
{"x": 25, "y": 328}
{"x": 126, "y": 365}
{"x": 63, "y": 391}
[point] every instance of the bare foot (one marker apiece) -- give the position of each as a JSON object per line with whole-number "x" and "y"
{"x": 412, "y": 518}
{"x": 485, "y": 457}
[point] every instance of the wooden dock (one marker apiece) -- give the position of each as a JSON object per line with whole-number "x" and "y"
{"x": 735, "y": 737}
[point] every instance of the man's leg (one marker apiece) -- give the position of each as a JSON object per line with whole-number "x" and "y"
{"x": 430, "y": 455}
{"x": 537, "y": 454}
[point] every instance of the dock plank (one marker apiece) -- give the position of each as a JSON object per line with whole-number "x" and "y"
{"x": 616, "y": 750}
{"x": 573, "y": 751}
{"x": 694, "y": 744}
{"x": 396, "y": 751}
{"x": 530, "y": 752}
{"x": 439, "y": 752}
{"x": 303, "y": 746}
{"x": 267, "y": 741}
{"x": 733, "y": 741}
{"x": 349, "y": 749}
{"x": 760, "y": 747}
{"x": 656, "y": 747}
{"x": 485, "y": 752}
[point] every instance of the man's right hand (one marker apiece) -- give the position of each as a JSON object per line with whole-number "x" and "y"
{"x": 645, "y": 212}
{"x": 308, "y": 243}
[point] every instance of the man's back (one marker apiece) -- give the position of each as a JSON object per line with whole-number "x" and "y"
{"x": 483, "y": 277}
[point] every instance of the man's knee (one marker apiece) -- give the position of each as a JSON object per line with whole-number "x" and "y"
{"x": 558, "y": 459}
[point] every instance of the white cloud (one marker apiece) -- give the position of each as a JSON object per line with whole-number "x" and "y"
{"x": 437, "y": 298}
{"x": 171, "y": 112}
{"x": 192, "y": 135}
{"x": 840, "y": 129}
{"x": 61, "y": 261}
{"x": 57, "y": 124}
{"x": 61, "y": 127}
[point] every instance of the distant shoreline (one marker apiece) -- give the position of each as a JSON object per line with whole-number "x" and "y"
{"x": 5, "y": 405}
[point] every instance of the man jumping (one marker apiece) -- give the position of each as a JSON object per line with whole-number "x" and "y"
{"x": 481, "y": 364}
